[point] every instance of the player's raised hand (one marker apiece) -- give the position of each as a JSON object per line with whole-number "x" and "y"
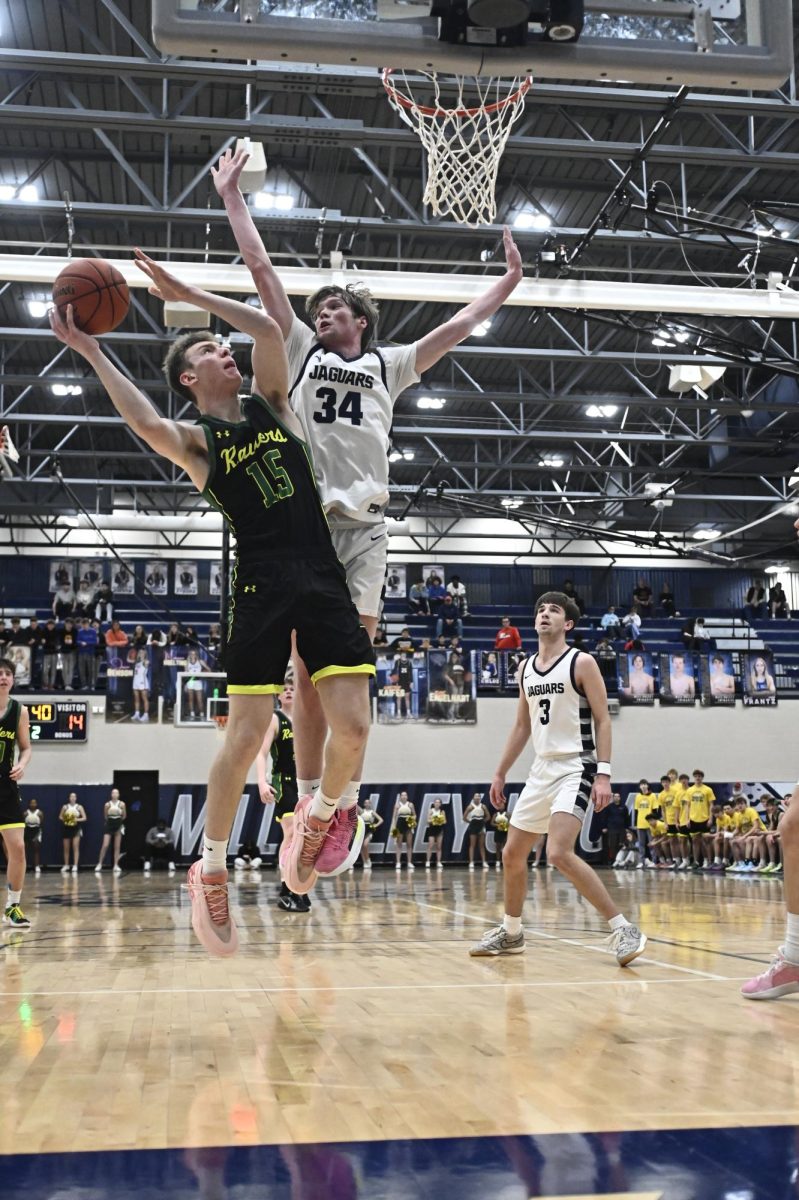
{"x": 600, "y": 793}
{"x": 163, "y": 285}
{"x": 512, "y": 256}
{"x": 66, "y": 331}
{"x": 226, "y": 174}
{"x": 497, "y": 791}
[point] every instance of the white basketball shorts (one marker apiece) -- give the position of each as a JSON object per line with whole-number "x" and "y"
{"x": 362, "y": 551}
{"x": 554, "y": 785}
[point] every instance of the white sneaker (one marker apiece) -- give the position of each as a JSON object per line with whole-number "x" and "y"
{"x": 367, "y": 866}
{"x": 485, "y": 866}
{"x": 146, "y": 868}
{"x": 74, "y": 869}
{"x": 171, "y": 868}
{"x": 440, "y": 866}
{"x": 427, "y": 866}
{"x": 65, "y": 869}
{"x": 471, "y": 866}
{"x": 411, "y": 867}
{"x": 398, "y": 867}
{"x": 37, "y": 871}
{"x": 98, "y": 868}
{"x": 497, "y": 866}
{"x": 135, "y": 717}
{"x": 117, "y": 870}
{"x": 144, "y": 717}
{"x": 639, "y": 867}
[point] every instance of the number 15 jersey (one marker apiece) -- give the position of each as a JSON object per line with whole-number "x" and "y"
{"x": 560, "y": 715}
{"x": 345, "y": 407}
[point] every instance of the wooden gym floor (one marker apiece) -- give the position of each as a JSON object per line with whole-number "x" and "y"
{"x": 365, "y": 1021}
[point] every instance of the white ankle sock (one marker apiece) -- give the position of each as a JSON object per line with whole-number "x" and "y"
{"x": 618, "y": 922}
{"x": 512, "y": 925}
{"x": 14, "y": 897}
{"x": 214, "y": 855}
{"x": 308, "y": 787}
{"x": 323, "y": 807}
{"x": 791, "y": 938}
{"x": 349, "y": 796}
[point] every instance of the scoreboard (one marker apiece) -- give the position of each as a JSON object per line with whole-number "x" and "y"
{"x": 58, "y": 720}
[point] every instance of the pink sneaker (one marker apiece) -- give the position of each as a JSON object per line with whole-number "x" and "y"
{"x": 210, "y": 914}
{"x": 780, "y": 979}
{"x": 299, "y": 853}
{"x": 342, "y": 844}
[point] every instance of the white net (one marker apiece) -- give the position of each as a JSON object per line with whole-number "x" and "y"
{"x": 463, "y": 135}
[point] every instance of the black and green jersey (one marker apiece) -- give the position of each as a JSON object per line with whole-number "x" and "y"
{"x": 262, "y": 481}
{"x": 283, "y": 748}
{"x": 8, "y": 737}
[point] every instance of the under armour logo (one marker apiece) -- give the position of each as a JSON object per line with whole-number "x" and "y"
{"x": 249, "y": 587}
{"x": 222, "y": 433}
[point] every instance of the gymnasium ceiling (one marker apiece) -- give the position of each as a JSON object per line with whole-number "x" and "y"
{"x": 98, "y": 122}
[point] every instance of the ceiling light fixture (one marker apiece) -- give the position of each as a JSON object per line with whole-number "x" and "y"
{"x": 37, "y": 308}
{"x": 430, "y": 402}
{"x": 706, "y": 535}
{"x": 481, "y": 330}
{"x": 601, "y": 410}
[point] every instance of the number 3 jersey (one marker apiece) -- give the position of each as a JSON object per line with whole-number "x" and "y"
{"x": 260, "y": 478}
{"x": 345, "y": 407}
{"x": 560, "y": 715}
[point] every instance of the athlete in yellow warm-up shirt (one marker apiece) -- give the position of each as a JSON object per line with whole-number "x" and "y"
{"x": 644, "y": 803}
{"x": 668, "y": 812}
{"x": 747, "y": 828}
{"x": 659, "y": 846}
{"x": 700, "y": 799}
{"x": 682, "y": 805}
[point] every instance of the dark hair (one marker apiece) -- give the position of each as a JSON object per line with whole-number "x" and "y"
{"x": 663, "y": 777}
{"x": 359, "y": 301}
{"x": 563, "y": 601}
{"x": 698, "y": 772}
{"x": 646, "y": 781}
{"x": 175, "y": 363}
{"x": 6, "y": 662}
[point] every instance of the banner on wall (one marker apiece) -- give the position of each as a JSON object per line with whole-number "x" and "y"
{"x": 677, "y": 681}
{"x": 155, "y": 576}
{"x": 757, "y": 676}
{"x": 62, "y": 573}
{"x": 90, "y": 572}
{"x": 636, "y": 678}
{"x": 396, "y": 582}
{"x": 131, "y": 691}
{"x": 186, "y": 573}
{"x": 717, "y": 678}
{"x": 215, "y": 577}
{"x": 451, "y": 688}
{"x": 20, "y": 656}
{"x": 401, "y": 687}
{"x": 510, "y": 661}
{"x": 489, "y": 669}
{"x": 123, "y": 580}
{"x": 431, "y": 570}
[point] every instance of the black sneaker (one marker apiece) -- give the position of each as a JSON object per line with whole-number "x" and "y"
{"x": 286, "y": 903}
{"x": 304, "y": 903}
{"x": 14, "y": 915}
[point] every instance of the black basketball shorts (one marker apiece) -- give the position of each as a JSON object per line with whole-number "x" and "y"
{"x": 700, "y": 826}
{"x": 270, "y": 599}
{"x": 286, "y": 795}
{"x": 11, "y": 812}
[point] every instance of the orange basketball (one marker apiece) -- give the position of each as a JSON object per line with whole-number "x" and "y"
{"x": 97, "y": 292}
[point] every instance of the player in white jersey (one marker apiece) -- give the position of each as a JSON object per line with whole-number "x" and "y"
{"x": 343, "y": 391}
{"x": 562, "y": 703}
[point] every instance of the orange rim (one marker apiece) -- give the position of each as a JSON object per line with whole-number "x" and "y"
{"x": 427, "y": 111}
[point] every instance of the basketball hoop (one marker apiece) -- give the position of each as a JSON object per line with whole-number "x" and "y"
{"x": 463, "y": 137}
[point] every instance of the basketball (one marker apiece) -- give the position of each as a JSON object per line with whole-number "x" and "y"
{"x": 97, "y": 292}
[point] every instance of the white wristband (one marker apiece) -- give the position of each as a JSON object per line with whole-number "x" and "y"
{"x": 603, "y": 768}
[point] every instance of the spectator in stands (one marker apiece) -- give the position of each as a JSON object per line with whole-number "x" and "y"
{"x": 634, "y": 644}
{"x": 64, "y": 601}
{"x": 568, "y": 590}
{"x": 51, "y": 646}
{"x": 86, "y": 638}
{"x": 449, "y": 621}
{"x": 35, "y": 639}
{"x": 666, "y": 601}
{"x": 418, "y": 599}
{"x": 435, "y": 593}
{"x": 115, "y": 637}
{"x": 458, "y": 593}
{"x": 778, "y": 601}
{"x": 155, "y": 646}
{"x": 213, "y": 644}
{"x": 4, "y": 635}
{"x": 604, "y": 652}
{"x": 611, "y": 622}
{"x": 507, "y": 636}
{"x": 84, "y": 597}
{"x": 695, "y": 634}
{"x": 104, "y": 602}
{"x": 403, "y": 641}
{"x": 17, "y": 635}
{"x": 175, "y": 636}
{"x": 755, "y": 603}
{"x": 642, "y": 598}
{"x": 69, "y": 653}
{"x": 160, "y": 846}
{"x": 455, "y": 644}
{"x": 138, "y": 639}
{"x": 380, "y": 638}
{"x": 631, "y": 623}
{"x": 190, "y": 633}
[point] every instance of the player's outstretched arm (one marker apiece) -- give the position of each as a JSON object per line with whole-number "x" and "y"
{"x": 517, "y": 740}
{"x": 439, "y": 342}
{"x": 180, "y": 443}
{"x": 589, "y": 678}
{"x": 267, "y": 281}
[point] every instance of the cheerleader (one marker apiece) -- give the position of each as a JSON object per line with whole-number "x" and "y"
{"x": 372, "y": 822}
{"x": 114, "y": 814}
{"x": 477, "y": 815}
{"x": 436, "y": 821}
{"x": 34, "y": 820}
{"x": 499, "y": 823}
{"x": 72, "y": 818}
{"x": 403, "y": 825}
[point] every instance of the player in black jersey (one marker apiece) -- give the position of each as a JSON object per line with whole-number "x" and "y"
{"x": 14, "y": 736}
{"x": 247, "y": 457}
{"x": 281, "y": 790}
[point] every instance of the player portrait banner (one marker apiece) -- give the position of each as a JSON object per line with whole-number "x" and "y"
{"x": 431, "y": 570}
{"x": 90, "y": 572}
{"x": 717, "y": 678}
{"x": 62, "y": 572}
{"x": 215, "y": 577}
{"x": 20, "y": 656}
{"x": 636, "y": 678}
{"x": 510, "y": 661}
{"x": 452, "y": 688}
{"x": 401, "y": 687}
{"x": 757, "y": 677}
{"x": 131, "y": 686}
{"x": 186, "y": 574}
{"x": 156, "y": 577}
{"x": 123, "y": 579}
{"x": 396, "y": 582}
{"x": 488, "y": 668}
{"x": 677, "y": 682}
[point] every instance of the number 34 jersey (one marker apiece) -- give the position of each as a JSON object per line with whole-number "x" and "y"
{"x": 345, "y": 407}
{"x": 260, "y": 478}
{"x": 560, "y": 715}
